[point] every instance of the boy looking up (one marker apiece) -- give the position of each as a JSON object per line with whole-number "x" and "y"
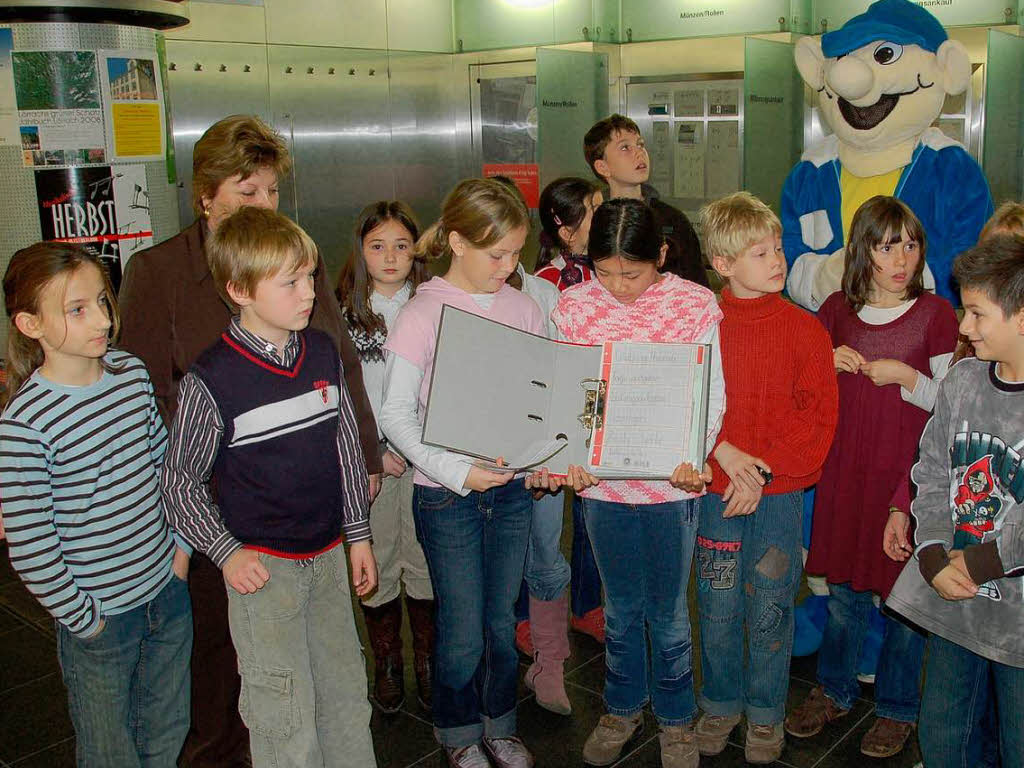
{"x": 616, "y": 153}
{"x": 266, "y": 476}
{"x": 777, "y": 430}
{"x": 965, "y": 588}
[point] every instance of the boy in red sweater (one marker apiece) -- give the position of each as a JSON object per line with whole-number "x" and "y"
{"x": 781, "y": 415}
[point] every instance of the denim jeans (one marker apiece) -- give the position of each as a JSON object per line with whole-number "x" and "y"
{"x": 644, "y": 553}
{"x": 128, "y": 687}
{"x": 957, "y": 728}
{"x": 748, "y": 573}
{"x": 584, "y": 581}
{"x": 547, "y": 572}
{"x": 898, "y": 676}
{"x": 476, "y": 552}
{"x": 303, "y": 672}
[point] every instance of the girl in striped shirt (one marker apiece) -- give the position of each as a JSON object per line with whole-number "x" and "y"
{"x": 81, "y": 444}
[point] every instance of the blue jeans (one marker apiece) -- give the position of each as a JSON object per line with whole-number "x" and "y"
{"x": 128, "y": 687}
{"x": 585, "y": 581}
{"x": 476, "y": 550}
{"x": 547, "y": 572}
{"x": 748, "y": 573}
{"x": 644, "y": 553}
{"x": 957, "y": 727}
{"x": 898, "y": 676}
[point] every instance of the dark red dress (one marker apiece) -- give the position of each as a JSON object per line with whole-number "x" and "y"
{"x": 876, "y": 440}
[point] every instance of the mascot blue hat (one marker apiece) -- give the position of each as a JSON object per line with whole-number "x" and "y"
{"x": 897, "y": 21}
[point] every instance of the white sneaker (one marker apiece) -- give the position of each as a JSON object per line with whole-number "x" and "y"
{"x": 467, "y": 757}
{"x": 508, "y": 752}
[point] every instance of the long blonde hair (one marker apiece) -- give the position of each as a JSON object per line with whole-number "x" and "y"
{"x": 482, "y": 211}
{"x": 30, "y": 271}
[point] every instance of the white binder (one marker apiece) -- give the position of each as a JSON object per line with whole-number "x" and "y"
{"x": 620, "y": 409}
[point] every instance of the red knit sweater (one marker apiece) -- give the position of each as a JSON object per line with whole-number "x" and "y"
{"x": 782, "y": 402}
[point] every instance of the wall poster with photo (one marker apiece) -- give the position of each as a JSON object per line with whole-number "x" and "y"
{"x": 60, "y": 115}
{"x": 133, "y": 96}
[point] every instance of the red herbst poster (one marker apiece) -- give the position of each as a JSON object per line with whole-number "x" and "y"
{"x": 525, "y": 175}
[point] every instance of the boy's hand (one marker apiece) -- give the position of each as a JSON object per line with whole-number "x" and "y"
{"x": 740, "y": 500}
{"x": 741, "y": 467}
{"x": 99, "y": 629}
{"x": 895, "y": 541}
{"x": 244, "y": 572}
{"x": 686, "y": 478}
{"x": 542, "y": 482}
{"x": 374, "y": 482}
{"x": 952, "y": 584}
{"x": 847, "y": 359}
{"x": 364, "y": 568}
{"x": 883, "y": 372}
{"x": 580, "y": 479}
{"x": 394, "y": 465}
{"x": 180, "y": 564}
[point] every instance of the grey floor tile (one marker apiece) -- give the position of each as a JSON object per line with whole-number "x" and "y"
{"x": 15, "y": 598}
{"x": 60, "y": 755}
{"x": 27, "y": 656}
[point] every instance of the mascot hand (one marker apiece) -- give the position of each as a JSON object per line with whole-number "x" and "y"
{"x": 829, "y": 277}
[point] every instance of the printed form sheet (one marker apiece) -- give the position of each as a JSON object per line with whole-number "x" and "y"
{"x": 655, "y": 410}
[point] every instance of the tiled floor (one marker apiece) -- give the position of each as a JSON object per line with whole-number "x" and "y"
{"x": 35, "y": 730}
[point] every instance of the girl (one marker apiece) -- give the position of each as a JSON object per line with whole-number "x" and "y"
{"x": 378, "y": 279}
{"x": 566, "y": 208}
{"x": 82, "y": 442}
{"x": 473, "y": 523}
{"x": 893, "y": 342}
{"x": 643, "y": 532}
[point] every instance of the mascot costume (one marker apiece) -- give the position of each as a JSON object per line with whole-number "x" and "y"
{"x": 881, "y": 81}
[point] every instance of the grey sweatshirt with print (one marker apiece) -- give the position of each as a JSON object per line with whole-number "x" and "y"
{"x": 970, "y": 496}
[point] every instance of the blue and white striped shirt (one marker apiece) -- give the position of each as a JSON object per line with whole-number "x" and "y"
{"x": 80, "y": 493}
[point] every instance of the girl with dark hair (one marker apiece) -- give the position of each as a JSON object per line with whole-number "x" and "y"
{"x": 893, "y": 342}
{"x": 566, "y": 208}
{"x": 380, "y": 276}
{"x": 643, "y": 531}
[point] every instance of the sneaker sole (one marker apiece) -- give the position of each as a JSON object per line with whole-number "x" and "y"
{"x": 627, "y": 743}
{"x": 710, "y": 748}
{"x": 766, "y": 760}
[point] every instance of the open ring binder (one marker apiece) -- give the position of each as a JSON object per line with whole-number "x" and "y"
{"x": 500, "y": 391}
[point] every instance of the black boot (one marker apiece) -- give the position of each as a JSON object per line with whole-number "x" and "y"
{"x": 384, "y": 626}
{"x": 421, "y": 618}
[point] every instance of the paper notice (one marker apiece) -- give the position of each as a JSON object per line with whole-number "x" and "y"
{"x": 133, "y": 93}
{"x": 723, "y": 101}
{"x": 689, "y": 103}
{"x": 723, "y": 162}
{"x": 688, "y": 161}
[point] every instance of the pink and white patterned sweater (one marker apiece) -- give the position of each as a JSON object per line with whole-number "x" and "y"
{"x": 671, "y": 310}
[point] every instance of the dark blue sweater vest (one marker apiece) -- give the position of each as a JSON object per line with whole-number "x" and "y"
{"x": 277, "y": 475}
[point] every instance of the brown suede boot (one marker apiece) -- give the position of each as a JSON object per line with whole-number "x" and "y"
{"x": 549, "y": 624}
{"x": 421, "y": 618}
{"x": 384, "y": 626}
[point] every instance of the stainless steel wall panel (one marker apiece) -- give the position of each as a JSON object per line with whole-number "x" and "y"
{"x": 332, "y": 105}
{"x": 209, "y": 81}
{"x": 424, "y": 93}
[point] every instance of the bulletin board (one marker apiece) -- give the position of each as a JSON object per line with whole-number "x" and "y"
{"x": 693, "y": 127}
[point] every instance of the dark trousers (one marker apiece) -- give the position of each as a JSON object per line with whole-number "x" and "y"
{"x": 217, "y": 738}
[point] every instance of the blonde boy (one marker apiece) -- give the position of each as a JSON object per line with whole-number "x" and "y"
{"x": 266, "y": 476}
{"x": 777, "y": 430}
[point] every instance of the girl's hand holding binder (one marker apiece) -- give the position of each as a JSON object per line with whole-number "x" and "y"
{"x": 542, "y": 482}
{"x": 480, "y": 479}
{"x": 580, "y": 479}
{"x": 686, "y": 478}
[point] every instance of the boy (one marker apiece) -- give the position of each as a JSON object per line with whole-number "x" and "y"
{"x": 969, "y": 513}
{"x": 616, "y": 153}
{"x": 265, "y": 474}
{"x": 777, "y": 430}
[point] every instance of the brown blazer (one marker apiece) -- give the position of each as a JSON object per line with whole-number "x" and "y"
{"x": 171, "y": 312}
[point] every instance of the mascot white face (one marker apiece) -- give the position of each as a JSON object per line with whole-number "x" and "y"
{"x": 883, "y": 93}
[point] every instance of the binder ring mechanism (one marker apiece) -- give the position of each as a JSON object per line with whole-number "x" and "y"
{"x": 594, "y": 391}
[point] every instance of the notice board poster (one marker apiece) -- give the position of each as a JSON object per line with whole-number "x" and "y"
{"x": 133, "y": 96}
{"x": 525, "y": 175}
{"x": 104, "y": 209}
{"x": 60, "y": 114}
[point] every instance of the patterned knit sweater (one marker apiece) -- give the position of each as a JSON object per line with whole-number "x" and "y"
{"x": 672, "y": 310}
